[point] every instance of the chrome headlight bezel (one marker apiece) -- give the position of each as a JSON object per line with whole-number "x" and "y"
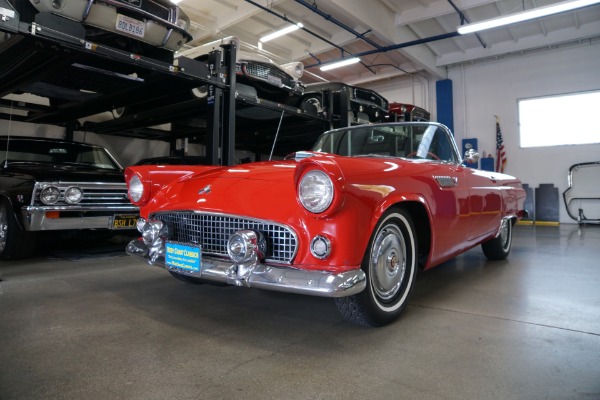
{"x": 50, "y": 195}
{"x": 316, "y": 191}
{"x": 73, "y": 195}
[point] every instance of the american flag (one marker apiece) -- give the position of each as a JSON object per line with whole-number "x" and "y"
{"x": 500, "y": 152}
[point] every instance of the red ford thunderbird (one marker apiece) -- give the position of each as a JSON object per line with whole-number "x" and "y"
{"x": 353, "y": 219}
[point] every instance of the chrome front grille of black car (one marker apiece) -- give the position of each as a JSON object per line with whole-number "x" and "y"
{"x": 212, "y": 231}
{"x": 151, "y": 7}
{"x": 267, "y": 72}
{"x": 94, "y": 194}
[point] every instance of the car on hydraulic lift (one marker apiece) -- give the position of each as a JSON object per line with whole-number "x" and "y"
{"x": 345, "y": 104}
{"x": 57, "y": 185}
{"x": 353, "y": 219}
{"x": 152, "y": 28}
{"x": 257, "y": 75}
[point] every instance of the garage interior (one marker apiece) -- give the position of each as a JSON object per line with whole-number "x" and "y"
{"x": 80, "y": 319}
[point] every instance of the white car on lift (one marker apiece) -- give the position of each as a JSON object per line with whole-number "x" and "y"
{"x": 257, "y": 74}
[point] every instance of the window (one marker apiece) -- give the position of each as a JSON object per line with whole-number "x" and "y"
{"x": 559, "y": 120}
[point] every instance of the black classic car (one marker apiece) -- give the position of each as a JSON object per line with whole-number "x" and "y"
{"x": 347, "y": 105}
{"x": 153, "y": 28}
{"x": 51, "y": 185}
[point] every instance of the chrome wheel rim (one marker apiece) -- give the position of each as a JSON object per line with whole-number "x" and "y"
{"x": 388, "y": 262}
{"x": 3, "y": 228}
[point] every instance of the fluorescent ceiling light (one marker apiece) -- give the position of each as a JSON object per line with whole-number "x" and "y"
{"x": 525, "y": 15}
{"x": 339, "y": 64}
{"x": 281, "y": 32}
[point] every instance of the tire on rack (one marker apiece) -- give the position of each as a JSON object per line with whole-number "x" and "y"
{"x": 390, "y": 263}
{"x": 15, "y": 243}
{"x": 499, "y": 247}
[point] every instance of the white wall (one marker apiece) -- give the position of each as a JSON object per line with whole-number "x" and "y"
{"x": 491, "y": 88}
{"x": 413, "y": 90}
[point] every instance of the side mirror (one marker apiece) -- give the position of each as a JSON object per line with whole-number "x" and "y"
{"x": 471, "y": 156}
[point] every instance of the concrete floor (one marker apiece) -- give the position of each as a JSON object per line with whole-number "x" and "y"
{"x": 113, "y": 328}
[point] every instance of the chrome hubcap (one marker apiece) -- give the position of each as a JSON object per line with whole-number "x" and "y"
{"x": 388, "y": 262}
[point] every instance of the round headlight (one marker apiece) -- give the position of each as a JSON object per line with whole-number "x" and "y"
{"x": 315, "y": 191}
{"x": 50, "y": 195}
{"x": 73, "y": 195}
{"x": 136, "y": 189}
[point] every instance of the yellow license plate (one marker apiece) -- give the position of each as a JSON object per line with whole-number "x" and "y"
{"x": 125, "y": 221}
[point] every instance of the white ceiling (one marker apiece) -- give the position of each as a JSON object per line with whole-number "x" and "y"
{"x": 385, "y": 23}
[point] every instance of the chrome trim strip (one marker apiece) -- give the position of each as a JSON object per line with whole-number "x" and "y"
{"x": 269, "y": 277}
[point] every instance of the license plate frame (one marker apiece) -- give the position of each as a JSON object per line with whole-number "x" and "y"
{"x": 130, "y": 26}
{"x": 124, "y": 221}
{"x": 183, "y": 257}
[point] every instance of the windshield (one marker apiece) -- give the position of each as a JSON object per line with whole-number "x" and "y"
{"x": 61, "y": 153}
{"x": 408, "y": 140}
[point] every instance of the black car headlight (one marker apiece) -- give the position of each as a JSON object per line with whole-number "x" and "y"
{"x": 49, "y": 195}
{"x": 73, "y": 195}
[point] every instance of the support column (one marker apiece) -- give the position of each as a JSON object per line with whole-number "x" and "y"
{"x": 445, "y": 107}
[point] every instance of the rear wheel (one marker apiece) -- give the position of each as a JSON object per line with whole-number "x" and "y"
{"x": 498, "y": 248}
{"x": 390, "y": 264}
{"x": 14, "y": 242}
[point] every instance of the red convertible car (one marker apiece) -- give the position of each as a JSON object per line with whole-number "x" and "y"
{"x": 353, "y": 219}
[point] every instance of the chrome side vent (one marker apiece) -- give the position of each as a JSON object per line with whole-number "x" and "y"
{"x": 446, "y": 181}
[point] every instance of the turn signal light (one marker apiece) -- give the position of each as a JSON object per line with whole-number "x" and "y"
{"x": 52, "y": 214}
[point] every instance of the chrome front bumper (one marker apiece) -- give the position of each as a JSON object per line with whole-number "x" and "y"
{"x": 34, "y": 219}
{"x": 278, "y": 278}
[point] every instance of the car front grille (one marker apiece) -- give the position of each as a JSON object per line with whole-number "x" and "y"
{"x": 94, "y": 194}
{"x": 267, "y": 72}
{"x": 151, "y": 7}
{"x": 212, "y": 231}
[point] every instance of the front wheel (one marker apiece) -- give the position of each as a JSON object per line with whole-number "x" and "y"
{"x": 14, "y": 242}
{"x": 390, "y": 264}
{"x": 498, "y": 248}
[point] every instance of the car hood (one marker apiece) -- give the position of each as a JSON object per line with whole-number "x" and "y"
{"x": 50, "y": 172}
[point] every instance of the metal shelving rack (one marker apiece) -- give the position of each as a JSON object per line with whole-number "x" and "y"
{"x": 53, "y": 59}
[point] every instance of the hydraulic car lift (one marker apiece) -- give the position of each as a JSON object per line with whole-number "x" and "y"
{"x": 51, "y": 58}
